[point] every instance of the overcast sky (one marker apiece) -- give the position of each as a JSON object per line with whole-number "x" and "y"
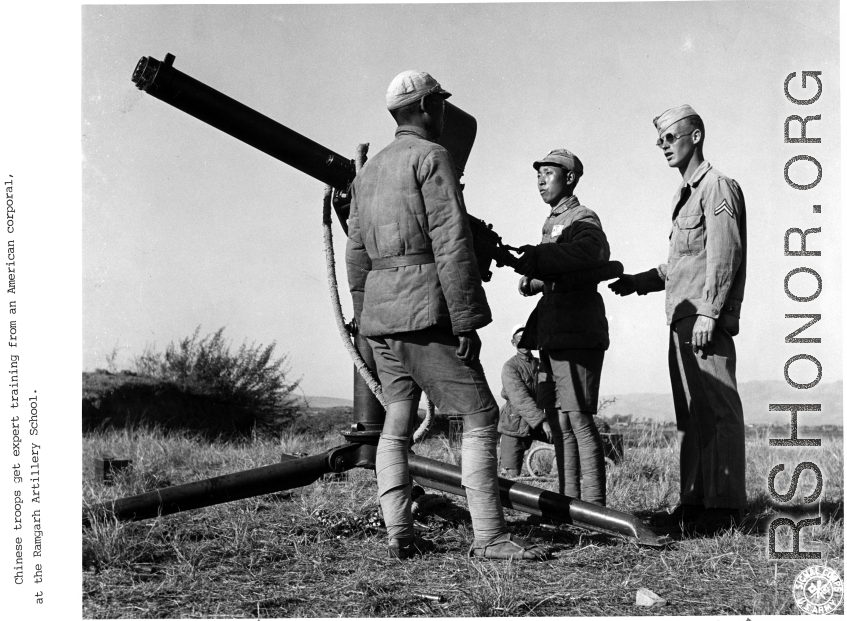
{"x": 185, "y": 226}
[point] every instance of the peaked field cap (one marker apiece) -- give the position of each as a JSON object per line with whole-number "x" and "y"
{"x": 410, "y": 86}
{"x": 518, "y": 328}
{"x": 560, "y": 157}
{"x": 674, "y": 115}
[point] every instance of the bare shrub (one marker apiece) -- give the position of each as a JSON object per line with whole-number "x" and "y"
{"x": 249, "y": 382}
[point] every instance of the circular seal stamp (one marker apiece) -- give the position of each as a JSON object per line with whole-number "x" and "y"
{"x": 818, "y": 590}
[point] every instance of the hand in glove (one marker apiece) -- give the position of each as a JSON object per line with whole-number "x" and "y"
{"x": 527, "y": 264}
{"x": 625, "y": 285}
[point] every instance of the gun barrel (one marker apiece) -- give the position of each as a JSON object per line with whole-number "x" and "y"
{"x": 266, "y": 480}
{"x": 298, "y": 472}
{"x": 540, "y": 502}
{"x": 162, "y": 81}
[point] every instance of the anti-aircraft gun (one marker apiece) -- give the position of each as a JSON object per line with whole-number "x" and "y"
{"x": 161, "y": 80}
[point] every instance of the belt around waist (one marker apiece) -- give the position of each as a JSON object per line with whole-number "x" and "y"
{"x": 386, "y": 263}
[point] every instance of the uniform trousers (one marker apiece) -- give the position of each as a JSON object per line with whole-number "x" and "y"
{"x": 580, "y": 461}
{"x": 426, "y": 359}
{"x": 709, "y": 418}
{"x": 513, "y": 449}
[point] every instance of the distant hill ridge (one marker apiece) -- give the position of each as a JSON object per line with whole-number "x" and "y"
{"x": 755, "y": 396}
{"x": 328, "y": 402}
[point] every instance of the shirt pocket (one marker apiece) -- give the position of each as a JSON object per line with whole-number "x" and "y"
{"x": 388, "y": 240}
{"x": 690, "y": 234}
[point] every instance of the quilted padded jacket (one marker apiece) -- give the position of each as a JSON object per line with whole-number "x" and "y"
{"x": 407, "y": 212}
{"x": 568, "y": 317}
{"x": 520, "y": 382}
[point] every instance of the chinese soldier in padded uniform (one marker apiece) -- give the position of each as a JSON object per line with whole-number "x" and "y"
{"x": 521, "y": 420}
{"x": 568, "y": 326}
{"x": 703, "y": 282}
{"x": 418, "y": 298}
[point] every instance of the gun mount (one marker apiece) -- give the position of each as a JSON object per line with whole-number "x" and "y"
{"x": 164, "y": 82}
{"x": 298, "y": 472}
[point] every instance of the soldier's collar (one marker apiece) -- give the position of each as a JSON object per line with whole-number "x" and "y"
{"x": 564, "y": 205}
{"x": 698, "y": 175}
{"x": 412, "y": 129}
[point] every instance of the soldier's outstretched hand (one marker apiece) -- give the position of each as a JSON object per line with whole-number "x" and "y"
{"x": 625, "y": 285}
{"x": 469, "y": 346}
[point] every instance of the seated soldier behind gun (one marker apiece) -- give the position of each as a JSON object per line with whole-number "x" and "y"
{"x": 521, "y": 421}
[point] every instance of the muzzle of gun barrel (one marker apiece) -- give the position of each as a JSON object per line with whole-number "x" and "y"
{"x": 161, "y": 80}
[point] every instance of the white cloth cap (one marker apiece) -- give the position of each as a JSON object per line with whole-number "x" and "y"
{"x": 411, "y": 86}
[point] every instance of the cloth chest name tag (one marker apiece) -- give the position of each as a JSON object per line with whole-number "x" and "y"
{"x": 557, "y": 230}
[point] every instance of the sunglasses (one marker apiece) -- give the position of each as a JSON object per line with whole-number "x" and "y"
{"x": 670, "y": 138}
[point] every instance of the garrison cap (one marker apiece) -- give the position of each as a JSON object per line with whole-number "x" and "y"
{"x": 410, "y": 86}
{"x": 674, "y": 115}
{"x": 560, "y": 157}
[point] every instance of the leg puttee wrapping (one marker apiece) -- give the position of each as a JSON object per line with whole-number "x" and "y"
{"x": 395, "y": 493}
{"x": 479, "y": 478}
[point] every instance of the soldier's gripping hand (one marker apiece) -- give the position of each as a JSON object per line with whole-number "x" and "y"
{"x": 625, "y": 285}
{"x": 525, "y": 286}
{"x": 469, "y": 346}
{"x": 548, "y": 432}
{"x": 527, "y": 263}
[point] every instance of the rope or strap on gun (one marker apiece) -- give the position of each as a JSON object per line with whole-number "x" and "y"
{"x": 349, "y": 345}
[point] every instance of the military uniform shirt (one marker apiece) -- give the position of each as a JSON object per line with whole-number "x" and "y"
{"x": 572, "y": 239}
{"x": 707, "y": 258}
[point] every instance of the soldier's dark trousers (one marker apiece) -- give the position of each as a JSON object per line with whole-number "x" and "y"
{"x": 709, "y": 418}
{"x": 579, "y": 451}
{"x": 513, "y": 449}
{"x": 579, "y": 456}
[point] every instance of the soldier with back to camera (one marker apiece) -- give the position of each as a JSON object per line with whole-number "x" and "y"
{"x": 418, "y": 298}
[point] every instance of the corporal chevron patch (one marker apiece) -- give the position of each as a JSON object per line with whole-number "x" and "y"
{"x": 724, "y": 206}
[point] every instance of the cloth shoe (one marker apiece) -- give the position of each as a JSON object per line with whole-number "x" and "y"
{"x": 509, "y": 547}
{"x": 403, "y": 549}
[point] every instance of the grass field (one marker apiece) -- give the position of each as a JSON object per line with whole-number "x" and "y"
{"x": 320, "y": 551}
